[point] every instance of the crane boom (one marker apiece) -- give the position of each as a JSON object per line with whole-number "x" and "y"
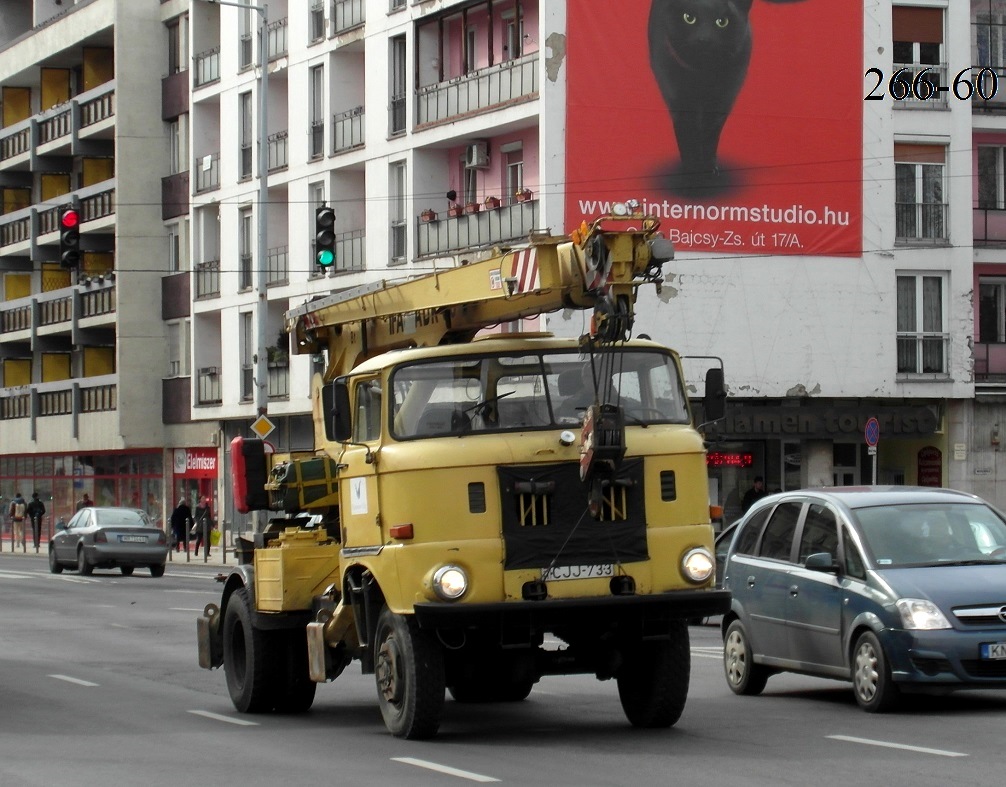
{"x": 598, "y": 267}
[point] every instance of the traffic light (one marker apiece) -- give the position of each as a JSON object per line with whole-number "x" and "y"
{"x": 324, "y": 236}
{"x": 69, "y": 237}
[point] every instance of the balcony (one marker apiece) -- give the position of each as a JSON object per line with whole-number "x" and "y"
{"x": 20, "y": 230}
{"x": 484, "y": 89}
{"x": 347, "y": 14}
{"x": 208, "y": 389}
{"x": 206, "y": 67}
{"x": 208, "y": 279}
{"x": 207, "y": 170}
{"x": 508, "y": 223}
{"x": 279, "y": 381}
{"x": 59, "y": 311}
{"x": 278, "y": 151}
{"x": 989, "y": 226}
{"x": 276, "y": 37}
{"x": 73, "y": 398}
{"x": 990, "y": 368}
{"x": 278, "y": 266}
{"x": 348, "y": 130}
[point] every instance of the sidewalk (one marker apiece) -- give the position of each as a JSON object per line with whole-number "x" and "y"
{"x": 216, "y": 557}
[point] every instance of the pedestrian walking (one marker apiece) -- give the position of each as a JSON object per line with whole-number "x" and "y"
{"x": 180, "y": 519}
{"x": 203, "y": 520}
{"x": 85, "y": 503}
{"x": 18, "y": 513}
{"x": 36, "y": 510}
{"x": 754, "y": 494}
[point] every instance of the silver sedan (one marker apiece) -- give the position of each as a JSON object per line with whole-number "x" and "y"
{"x": 104, "y": 537}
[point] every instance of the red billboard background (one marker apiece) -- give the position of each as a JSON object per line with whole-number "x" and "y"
{"x": 789, "y": 160}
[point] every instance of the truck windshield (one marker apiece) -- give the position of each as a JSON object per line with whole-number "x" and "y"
{"x": 498, "y": 393}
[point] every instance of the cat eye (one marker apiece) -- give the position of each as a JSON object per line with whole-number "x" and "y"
{"x": 689, "y": 19}
{"x": 722, "y": 22}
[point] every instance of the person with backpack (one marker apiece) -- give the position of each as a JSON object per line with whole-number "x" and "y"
{"x": 36, "y": 510}
{"x": 18, "y": 511}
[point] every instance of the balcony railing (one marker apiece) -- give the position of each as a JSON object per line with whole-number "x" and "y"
{"x": 278, "y": 265}
{"x": 276, "y": 36}
{"x": 23, "y": 225}
{"x": 208, "y": 386}
{"x": 15, "y": 142}
{"x": 347, "y": 14}
{"x": 317, "y": 139}
{"x": 78, "y": 396}
{"x": 278, "y": 151}
{"x": 485, "y": 228}
{"x": 207, "y": 169}
{"x": 55, "y": 126}
{"x": 279, "y": 381}
{"x": 935, "y": 75}
{"x": 990, "y": 362}
{"x": 207, "y": 67}
{"x": 479, "y": 90}
{"x": 208, "y": 279}
{"x": 989, "y": 226}
{"x": 921, "y": 222}
{"x": 245, "y": 273}
{"x": 397, "y": 114}
{"x": 348, "y": 130}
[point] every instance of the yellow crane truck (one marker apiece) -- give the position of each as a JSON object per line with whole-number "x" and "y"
{"x": 479, "y": 511}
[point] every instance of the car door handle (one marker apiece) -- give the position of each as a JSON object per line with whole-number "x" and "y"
{"x": 794, "y": 590}
{"x": 751, "y": 582}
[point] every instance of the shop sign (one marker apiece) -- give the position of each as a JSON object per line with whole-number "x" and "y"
{"x": 195, "y": 462}
{"x": 930, "y": 466}
{"x": 826, "y": 422}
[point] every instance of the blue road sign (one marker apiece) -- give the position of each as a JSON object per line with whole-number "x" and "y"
{"x": 872, "y": 432}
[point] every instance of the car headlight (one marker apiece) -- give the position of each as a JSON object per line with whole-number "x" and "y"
{"x": 918, "y": 614}
{"x": 450, "y": 582}
{"x": 697, "y": 565}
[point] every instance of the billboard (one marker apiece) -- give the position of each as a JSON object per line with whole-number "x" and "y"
{"x": 738, "y": 122}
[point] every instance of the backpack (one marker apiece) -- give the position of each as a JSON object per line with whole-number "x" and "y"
{"x": 18, "y": 509}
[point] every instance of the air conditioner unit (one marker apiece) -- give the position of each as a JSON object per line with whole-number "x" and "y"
{"x": 477, "y": 155}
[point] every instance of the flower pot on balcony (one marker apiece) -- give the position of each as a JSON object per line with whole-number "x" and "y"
{"x": 429, "y": 215}
{"x": 454, "y": 211}
{"x": 472, "y": 207}
{"x": 492, "y": 202}
{"x": 523, "y": 195}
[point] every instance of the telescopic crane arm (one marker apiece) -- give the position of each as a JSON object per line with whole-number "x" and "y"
{"x": 599, "y": 266}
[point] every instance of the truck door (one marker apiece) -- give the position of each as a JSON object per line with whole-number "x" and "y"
{"x": 359, "y": 501}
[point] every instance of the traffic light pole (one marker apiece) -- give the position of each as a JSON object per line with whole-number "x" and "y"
{"x": 261, "y": 376}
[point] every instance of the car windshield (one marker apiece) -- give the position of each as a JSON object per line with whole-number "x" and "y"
{"x": 497, "y": 393}
{"x": 120, "y": 517}
{"x": 933, "y": 533}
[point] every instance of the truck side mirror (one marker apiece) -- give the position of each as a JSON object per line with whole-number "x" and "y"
{"x": 715, "y": 401}
{"x": 341, "y": 412}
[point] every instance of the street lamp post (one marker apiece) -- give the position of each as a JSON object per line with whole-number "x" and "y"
{"x": 261, "y": 376}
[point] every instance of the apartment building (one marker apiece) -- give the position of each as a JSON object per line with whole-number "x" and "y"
{"x": 843, "y": 254}
{"x": 81, "y": 362}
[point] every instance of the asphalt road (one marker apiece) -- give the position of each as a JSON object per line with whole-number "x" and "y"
{"x": 99, "y": 685}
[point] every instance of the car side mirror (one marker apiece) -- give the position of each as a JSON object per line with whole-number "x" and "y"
{"x": 61, "y": 525}
{"x": 715, "y": 401}
{"x": 821, "y": 561}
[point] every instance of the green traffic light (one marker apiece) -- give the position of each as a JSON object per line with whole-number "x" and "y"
{"x": 326, "y": 258}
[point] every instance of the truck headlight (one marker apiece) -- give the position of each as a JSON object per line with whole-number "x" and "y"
{"x": 450, "y": 582}
{"x": 697, "y": 565}
{"x": 918, "y": 614}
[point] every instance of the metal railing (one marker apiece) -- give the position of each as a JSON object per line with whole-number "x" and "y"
{"x": 207, "y": 169}
{"x": 276, "y": 36}
{"x": 506, "y": 223}
{"x": 206, "y": 67}
{"x": 278, "y": 265}
{"x": 207, "y": 279}
{"x": 923, "y": 353}
{"x": 348, "y": 130}
{"x": 208, "y": 389}
{"x": 347, "y": 14}
{"x": 278, "y": 381}
{"x": 396, "y": 118}
{"x": 278, "y": 151}
{"x": 481, "y": 89}
{"x": 921, "y": 221}
{"x": 989, "y": 226}
{"x": 935, "y": 75}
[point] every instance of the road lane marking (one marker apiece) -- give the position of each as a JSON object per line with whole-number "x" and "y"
{"x": 221, "y": 717}
{"x": 77, "y": 681}
{"x": 903, "y": 746}
{"x": 178, "y": 590}
{"x": 185, "y": 609}
{"x": 445, "y": 769}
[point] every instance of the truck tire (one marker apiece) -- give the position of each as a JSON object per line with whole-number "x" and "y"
{"x": 249, "y": 660}
{"x": 653, "y": 680}
{"x": 409, "y": 668}
{"x": 295, "y": 690}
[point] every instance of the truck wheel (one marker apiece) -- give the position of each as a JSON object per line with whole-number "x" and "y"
{"x": 295, "y": 692}
{"x": 653, "y": 680}
{"x": 409, "y": 667}
{"x": 248, "y": 658}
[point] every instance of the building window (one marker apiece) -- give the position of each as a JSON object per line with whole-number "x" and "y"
{"x": 513, "y": 37}
{"x": 513, "y": 170}
{"x": 245, "y": 249}
{"x": 244, "y": 38}
{"x": 918, "y": 36}
{"x": 992, "y": 309}
{"x": 316, "y": 24}
{"x": 178, "y": 252}
{"x": 397, "y": 212}
{"x": 398, "y": 71}
{"x": 919, "y": 172}
{"x": 178, "y": 44}
{"x": 922, "y": 340}
{"x": 247, "y": 350}
{"x": 471, "y": 39}
{"x": 178, "y": 132}
{"x": 245, "y": 120}
{"x": 179, "y": 348}
{"x": 989, "y": 28}
{"x": 317, "y": 111}
{"x": 991, "y": 192}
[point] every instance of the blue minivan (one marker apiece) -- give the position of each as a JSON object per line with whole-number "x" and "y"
{"x": 895, "y": 589}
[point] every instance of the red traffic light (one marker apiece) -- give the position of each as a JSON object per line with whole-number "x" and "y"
{"x": 69, "y": 219}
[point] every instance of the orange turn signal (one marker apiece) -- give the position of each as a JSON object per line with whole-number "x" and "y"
{"x": 715, "y": 512}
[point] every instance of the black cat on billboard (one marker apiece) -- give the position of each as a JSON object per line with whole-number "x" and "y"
{"x": 699, "y": 55}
